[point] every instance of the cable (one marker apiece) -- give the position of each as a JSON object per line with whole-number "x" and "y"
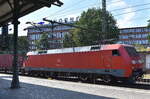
{"x": 113, "y": 2}
{"x": 122, "y": 13}
{"x": 131, "y": 7}
{"x": 71, "y": 12}
{"x": 84, "y": 28}
{"x": 62, "y": 10}
{"x": 132, "y": 11}
{"x": 138, "y": 18}
{"x": 85, "y": 6}
{"x": 68, "y": 10}
{"x": 64, "y": 14}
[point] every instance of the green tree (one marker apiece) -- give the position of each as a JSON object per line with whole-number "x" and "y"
{"x": 6, "y": 44}
{"x": 42, "y": 43}
{"x": 139, "y": 47}
{"x": 23, "y": 44}
{"x": 92, "y": 20}
{"x": 68, "y": 41}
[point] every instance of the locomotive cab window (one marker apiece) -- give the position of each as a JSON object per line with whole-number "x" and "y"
{"x": 131, "y": 51}
{"x": 115, "y": 53}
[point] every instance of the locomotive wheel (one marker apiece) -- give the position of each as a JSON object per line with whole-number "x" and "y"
{"x": 88, "y": 78}
{"x": 83, "y": 79}
{"x": 109, "y": 79}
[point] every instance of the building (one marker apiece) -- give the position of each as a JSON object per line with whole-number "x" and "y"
{"x": 145, "y": 56}
{"x": 135, "y": 35}
{"x": 55, "y": 35}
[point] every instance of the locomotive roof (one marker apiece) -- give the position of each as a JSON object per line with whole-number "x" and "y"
{"x": 78, "y": 49}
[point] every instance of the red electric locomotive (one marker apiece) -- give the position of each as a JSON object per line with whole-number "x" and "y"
{"x": 108, "y": 62}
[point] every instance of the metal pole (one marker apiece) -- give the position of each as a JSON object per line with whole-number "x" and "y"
{"x": 15, "y": 80}
{"x": 52, "y": 23}
{"x": 104, "y": 27}
{"x": 70, "y": 25}
{"x": 5, "y": 41}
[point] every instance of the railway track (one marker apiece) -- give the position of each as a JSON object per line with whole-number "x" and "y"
{"x": 143, "y": 81}
{"x": 140, "y": 84}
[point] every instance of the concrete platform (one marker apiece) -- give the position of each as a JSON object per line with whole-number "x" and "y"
{"x": 36, "y": 88}
{"x": 29, "y": 90}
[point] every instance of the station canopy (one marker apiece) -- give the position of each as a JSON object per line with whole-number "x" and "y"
{"x": 25, "y": 7}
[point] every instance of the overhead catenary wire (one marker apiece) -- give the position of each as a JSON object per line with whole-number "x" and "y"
{"x": 120, "y": 9}
{"x": 77, "y": 3}
{"x": 92, "y": 30}
{"x": 132, "y": 11}
{"x": 75, "y": 12}
{"x": 70, "y": 10}
{"x": 76, "y": 26}
{"x": 95, "y": 31}
{"x": 114, "y": 15}
{"x": 113, "y": 2}
{"x": 70, "y": 6}
{"x": 66, "y": 12}
{"x": 138, "y": 5}
{"x": 138, "y": 18}
{"x": 80, "y": 27}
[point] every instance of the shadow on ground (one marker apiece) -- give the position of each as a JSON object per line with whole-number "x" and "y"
{"x": 30, "y": 91}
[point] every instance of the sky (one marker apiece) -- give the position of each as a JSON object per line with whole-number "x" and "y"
{"x": 131, "y": 14}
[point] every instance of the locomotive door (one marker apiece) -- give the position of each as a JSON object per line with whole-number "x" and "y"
{"x": 107, "y": 61}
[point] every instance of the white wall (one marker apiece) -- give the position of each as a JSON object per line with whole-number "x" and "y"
{"x": 148, "y": 61}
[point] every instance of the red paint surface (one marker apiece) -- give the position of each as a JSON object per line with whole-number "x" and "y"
{"x": 102, "y": 59}
{"x": 6, "y": 60}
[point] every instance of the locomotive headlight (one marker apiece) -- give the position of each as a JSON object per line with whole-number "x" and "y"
{"x": 133, "y": 62}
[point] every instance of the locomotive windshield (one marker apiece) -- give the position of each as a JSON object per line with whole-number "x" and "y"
{"x": 131, "y": 51}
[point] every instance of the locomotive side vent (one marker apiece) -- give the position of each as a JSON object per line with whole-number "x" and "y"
{"x": 42, "y": 52}
{"x": 95, "y": 48}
